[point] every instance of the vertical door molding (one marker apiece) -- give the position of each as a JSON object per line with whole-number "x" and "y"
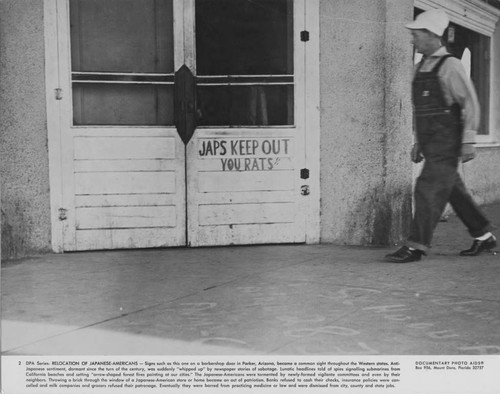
{"x": 87, "y": 181}
{"x": 179, "y": 54}
{"x": 60, "y": 114}
{"x": 53, "y": 121}
{"x": 190, "y": 35}
{"x": 184, "y": 15}
{"x": 65, "y": 122}
{"x": 239, "y": 205}
{"x": 312, "y": 124}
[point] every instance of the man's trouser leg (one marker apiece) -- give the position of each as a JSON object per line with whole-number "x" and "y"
{"x": 432, "y": 192}
{"x": 467, "y": 210}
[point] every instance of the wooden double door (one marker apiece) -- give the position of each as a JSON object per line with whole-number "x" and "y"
{"x": 177, "y": 122}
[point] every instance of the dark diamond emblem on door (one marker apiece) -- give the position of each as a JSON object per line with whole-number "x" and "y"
{"x": 185, "y": 103}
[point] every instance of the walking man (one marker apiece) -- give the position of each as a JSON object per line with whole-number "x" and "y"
{"x": 446, "y": 117}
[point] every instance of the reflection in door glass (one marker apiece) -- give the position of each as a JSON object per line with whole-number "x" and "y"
{"x": 122, "y": 62}
{"x": 244, "y": 61}
{"x": 244, "y": 105}
{"x": 122, "y": 104}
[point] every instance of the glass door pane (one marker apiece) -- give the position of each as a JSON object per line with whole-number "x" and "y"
{"x": 244, "y": 62}
{"x": 122, "y": 54}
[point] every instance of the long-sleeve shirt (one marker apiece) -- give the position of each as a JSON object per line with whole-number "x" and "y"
{"x": 457, "y": 88}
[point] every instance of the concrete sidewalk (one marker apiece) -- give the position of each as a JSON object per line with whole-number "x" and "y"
{"x": 273, "y": 299}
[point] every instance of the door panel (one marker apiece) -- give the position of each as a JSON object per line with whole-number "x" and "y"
{"x": 129, "y": 238}
{"x": 243, "y": 163}
{"x": 246, "y": 213}
{"x": 96, "y": 104}
{"x": 125, "y": 169}
{"x": 241, "y": 37}
{"x": 125, "y": 217}
{"x": 129, "y": 180}
{"x": 212, "y": 182}
{"x": 124, "y": 148}
{"x": 116, "y": 183}
{"x": 134, "y": 183}
{"x": 119, "y": 42}
{"x": 129, "y": 200}
{"x": 256, "y": 199}
{"x": 126, "y": 36}
{"x": 244, "y": 62}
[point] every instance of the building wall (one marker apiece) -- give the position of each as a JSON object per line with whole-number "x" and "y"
{"x": 365, "y": 121}
{"x": 366, "y": 174}
{"x": 24, "y": 170}
{"x": 482, "y": 175}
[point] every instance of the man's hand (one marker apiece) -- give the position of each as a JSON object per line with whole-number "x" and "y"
{"x": 416, "y": 154}
{"x": 468, "y": 152}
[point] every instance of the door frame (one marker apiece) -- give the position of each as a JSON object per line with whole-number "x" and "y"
{"x": 312, "y": 119}
{"x": 57, "y": 37}
{"x": 53, "y": 122}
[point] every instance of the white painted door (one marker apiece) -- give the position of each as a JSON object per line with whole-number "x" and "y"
{"x": 244, "y": 161}
{"x": 124, "y": 176}
{"x": 123, "y": 162}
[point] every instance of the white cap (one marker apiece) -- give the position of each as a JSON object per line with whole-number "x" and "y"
{"x": 435, "y": 20}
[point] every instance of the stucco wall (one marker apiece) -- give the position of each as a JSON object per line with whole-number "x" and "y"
{"x": 365, "y": 121}
{"x": 365, "y": 125}
{"x": 482, "y": 175}
{"x": 23, "y": 136}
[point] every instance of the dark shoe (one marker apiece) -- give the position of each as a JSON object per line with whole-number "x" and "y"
{"x": 404, "y": 255}
{"x": 479, "y": 246}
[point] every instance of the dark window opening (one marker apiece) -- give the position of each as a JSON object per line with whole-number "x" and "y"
{"x": 236, "y": 39}
{"x": 122, "y": 62}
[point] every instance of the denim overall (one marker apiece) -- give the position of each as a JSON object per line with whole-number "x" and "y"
{"x": 439, "y": 134}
